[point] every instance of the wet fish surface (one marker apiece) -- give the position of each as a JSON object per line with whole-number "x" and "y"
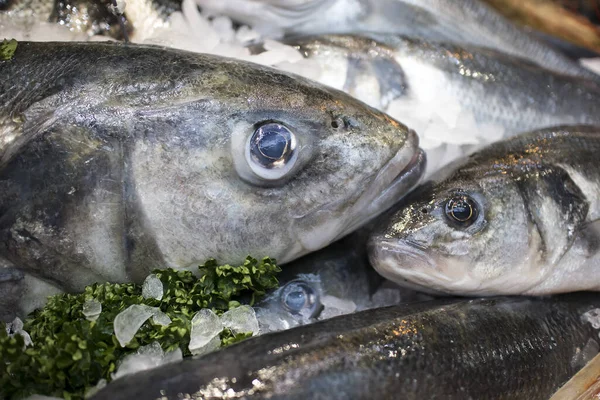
{"x": 118, "y": 159}
{"x": 334, "y": 281}
{"x": 518, "y": 217}
{"x": 467, "y": 22}
{"x": 406, "y": 75}
{"x": 500, "y": 348}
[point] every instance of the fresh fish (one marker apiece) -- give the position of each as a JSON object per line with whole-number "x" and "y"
{"x": 501, "y": 348}
{"x": 334, "y": 281}
{"x": 518, "y": 217}
{"x": 468, "y": 22}
{"x": 417, "y": 79}
{"x": 118, "y": 159}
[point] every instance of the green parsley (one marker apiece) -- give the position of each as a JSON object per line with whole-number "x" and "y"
{"x": 71, "y": 354}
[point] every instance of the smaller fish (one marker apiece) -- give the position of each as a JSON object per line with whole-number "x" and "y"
{"x": 334, "y": 281}
{"x": 521, "y": 216}
{"x": 469, "y": 22}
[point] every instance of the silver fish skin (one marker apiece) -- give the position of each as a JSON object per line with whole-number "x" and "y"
{"x": 405, "y": 75}
{"x": 333, "y": 281}
{"x": 467, "y": 22}
{"x": 500, "y": 348}
{"x": 117, "y": 159}
{"x": 518, "y": 217}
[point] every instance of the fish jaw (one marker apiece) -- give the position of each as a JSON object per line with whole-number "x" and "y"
{"x": 395, "y": 179}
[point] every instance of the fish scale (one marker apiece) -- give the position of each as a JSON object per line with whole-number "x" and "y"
{"x": 499, "y": 348}
{"x": 117, "y": 159}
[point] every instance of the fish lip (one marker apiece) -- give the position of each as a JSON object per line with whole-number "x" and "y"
{"x": 367, "y": 207}
{"x": 383, "y": 256}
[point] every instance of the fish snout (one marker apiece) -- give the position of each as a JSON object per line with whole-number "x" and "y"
{"x": 408, "y": 264}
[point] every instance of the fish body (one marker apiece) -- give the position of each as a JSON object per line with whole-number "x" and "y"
{"x": 118, "y": 159}
{"x": 500, "y": 348}
{"x": 333, "y": 281}
{"x": 518, "y": 217}
{"x": 415, "y": 79}
{"x": 467, "y": 22}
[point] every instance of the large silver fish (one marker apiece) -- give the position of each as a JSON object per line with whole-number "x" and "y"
{"x": 117, "y": 159}
{"x": 501, "y": 348}
{"x": 419, "y": 79}
{"x": 518, "y": 217}
{"x": 467, "y": 22}
{"x": 333, "y": 281}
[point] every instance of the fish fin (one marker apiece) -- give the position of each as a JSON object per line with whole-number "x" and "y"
{"x": 585, "y": 385}
{"x": 557, "y": 208}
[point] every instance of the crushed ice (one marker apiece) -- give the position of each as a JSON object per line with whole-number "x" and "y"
{"x": 241, "y": 319}
{"x": 146, "y": 357}
{"x": 92, "y": 309}
{"x": 130, "y": 320}
{"x": 204, "y": 335}
{"x": 334, "y": 306}
{"x": 16, "y": 328}
{"x": 152, "y": 288}
{"x": 593, "y": 317}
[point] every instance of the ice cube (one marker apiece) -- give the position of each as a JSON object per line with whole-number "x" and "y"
{"x": 152, "y": 288}
{"x": 147, "y": 357}
{"x": 95, "y": 389}
{"x": 593, "y": 317}
{"x": 161, "y": 318}
{"x": 204, "y": 336}
{"x": 334, "y": 306}
{"x": 241, "y": 319}
{"x": 92, "y": 309}
{"x": 224, "y": 28}
{"x": 246, "y": 35}
{"x": 130, "y": 320}
{"x": 16, "y": 328}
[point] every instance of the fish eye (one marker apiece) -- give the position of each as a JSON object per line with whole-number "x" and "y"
{"x": 271, "y": 150}
{"x": 462, "y": 210}
{"x": 298, "y": 297}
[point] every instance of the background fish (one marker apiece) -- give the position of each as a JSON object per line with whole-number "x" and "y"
{"x": 333, "y": 281}
{"x": 162, "y": 158}
{"x": 499, "y": 348}
{"x": 457, "y": 95}
{"x": 467, "y": 22}
{"x": 518, "y": 217}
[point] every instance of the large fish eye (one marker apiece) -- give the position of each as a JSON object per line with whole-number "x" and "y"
{"x": 462, "y": 210}
{"x": 271, "y": 150}
{"x": 298, "y": 297}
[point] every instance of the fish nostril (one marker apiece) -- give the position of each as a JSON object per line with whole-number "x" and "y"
{"x": 424, "y": 210}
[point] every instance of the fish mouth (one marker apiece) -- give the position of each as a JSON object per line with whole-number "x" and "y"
{"x": 383, "y": 189}
{"x": 393, "y": 181}
{"x": 404, "y": 263}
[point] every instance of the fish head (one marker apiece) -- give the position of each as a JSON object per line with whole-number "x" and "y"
{"x": 460, "y": 236}
{"x": 334, "y": 281}
{"x": 269, "y": 164}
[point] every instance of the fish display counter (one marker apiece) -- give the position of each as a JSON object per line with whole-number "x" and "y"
{"x": 287, "y": 199}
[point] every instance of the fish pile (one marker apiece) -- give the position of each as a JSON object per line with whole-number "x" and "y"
{"x": 300, "y": 130}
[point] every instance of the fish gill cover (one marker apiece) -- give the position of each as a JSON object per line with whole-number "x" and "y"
{"x": 7, "y": 49}
{"x": 72, "y": 351}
